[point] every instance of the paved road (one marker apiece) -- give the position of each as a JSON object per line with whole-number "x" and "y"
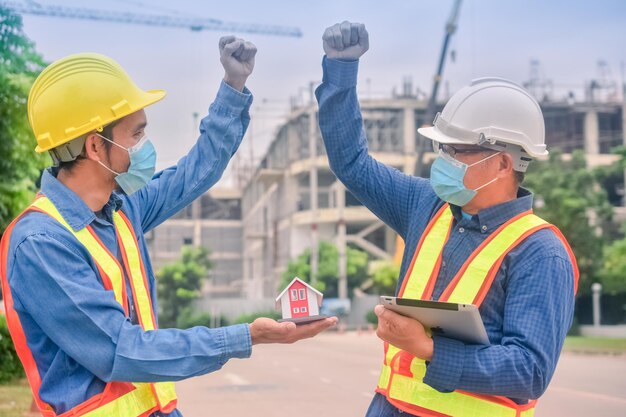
{"x": 334, "y": 375}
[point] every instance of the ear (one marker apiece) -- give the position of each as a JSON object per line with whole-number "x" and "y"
{"x": 505, "y": 165}
{"x": 94, "y": 147}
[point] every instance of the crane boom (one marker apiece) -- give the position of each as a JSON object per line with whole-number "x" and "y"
{"x": 451, "y": 26}
{"x": 192, "y": 23}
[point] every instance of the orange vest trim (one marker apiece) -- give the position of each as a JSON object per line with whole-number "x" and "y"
{"x": 134, "y": 399}
{"x": 401, "y": 362}
{"x": 15, "y": 327}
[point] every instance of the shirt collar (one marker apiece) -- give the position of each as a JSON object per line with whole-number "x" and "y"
{"x": 73, "y": 209}
{"x": 492, "y": 217}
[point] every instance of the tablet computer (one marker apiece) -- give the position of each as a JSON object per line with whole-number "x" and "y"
{"x": 456, "y": 321}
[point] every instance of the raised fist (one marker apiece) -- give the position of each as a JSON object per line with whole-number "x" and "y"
{"x": 237, "y": 57}
{"x": 346, "y": 41}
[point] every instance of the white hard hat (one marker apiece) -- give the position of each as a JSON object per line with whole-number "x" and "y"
{"x": 494, "y": 113}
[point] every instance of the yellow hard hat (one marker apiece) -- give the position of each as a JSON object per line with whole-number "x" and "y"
{"x": 81, "y": 93}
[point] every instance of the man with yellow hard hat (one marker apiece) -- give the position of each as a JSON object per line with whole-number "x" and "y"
{"x": 471, "y": 238}
{"x": 76, "y": 276}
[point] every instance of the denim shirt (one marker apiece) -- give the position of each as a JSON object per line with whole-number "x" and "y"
{"x": 78, "y": 333}
{"x": 528, "y": 309}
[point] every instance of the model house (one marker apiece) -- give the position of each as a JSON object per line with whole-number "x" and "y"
{"x": 299, "y": 300}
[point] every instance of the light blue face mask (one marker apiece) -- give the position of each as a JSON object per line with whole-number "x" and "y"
{"x": 447, "y": 175}
{"x": 142, "y": 165}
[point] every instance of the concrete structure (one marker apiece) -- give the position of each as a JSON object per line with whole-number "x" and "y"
{"x": 294, "y": 200}
{"x": 213, "y": 221}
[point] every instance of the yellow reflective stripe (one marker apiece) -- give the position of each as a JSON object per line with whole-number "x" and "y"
{"x": 99, "y": 254}
{"x": 142, "y": 399}
{"x": 383, "y": 381}
{"x": 165, "y": 391}
{"x": 132, "y": 404}
{"x": 428, "y": 255}
{"x": 414, "y": 391}
{"x": 470, "y": 284}
{"x": 140, "y": 292}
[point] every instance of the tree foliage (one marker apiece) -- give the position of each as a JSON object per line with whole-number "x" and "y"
{"x": 179, "y": 284}
{"x": 612, "y": 275}
{"x": 328, "y": 269}
{"x": 569, "y": 195}
{"x": 385, "y": 278}
{"x": 10, "y": 365}
{"x": 20, "y": 166}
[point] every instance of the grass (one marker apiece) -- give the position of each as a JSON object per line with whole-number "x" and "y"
{"x": 15, "y": 399}
{"x": 595, "y": 345}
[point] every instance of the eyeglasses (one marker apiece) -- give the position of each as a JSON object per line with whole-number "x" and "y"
{"x": 453, "y": 151}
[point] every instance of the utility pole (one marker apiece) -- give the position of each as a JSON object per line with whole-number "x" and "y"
{"x": 340, "y": 193}
{"x": 624, "y": 127}
{"x": 313, "y": 183}
{"x": 451, "y": 26}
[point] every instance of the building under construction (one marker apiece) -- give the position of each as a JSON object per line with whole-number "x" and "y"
{"x": 293, "y": 200}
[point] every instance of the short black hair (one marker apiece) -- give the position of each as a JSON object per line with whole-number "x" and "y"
{"x": 519, "y": 177}
{"x": 107, "y": 132}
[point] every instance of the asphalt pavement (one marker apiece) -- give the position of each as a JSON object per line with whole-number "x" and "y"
{"x": 335, "y": 375}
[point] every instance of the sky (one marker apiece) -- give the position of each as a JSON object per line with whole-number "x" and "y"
{"x": 494, "y": 38}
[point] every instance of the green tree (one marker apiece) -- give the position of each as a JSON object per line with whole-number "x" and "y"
{"x": 328, "y": 269}
{"x": 10, "y": 365}
{"x": 385, "y": 278}
{"x": 568, "y": 194}
{"x": 613, "y": 272}
{"x": 179, "y": 284}
{"x": 20, "y": 166}
{"x": 612, "y": 275}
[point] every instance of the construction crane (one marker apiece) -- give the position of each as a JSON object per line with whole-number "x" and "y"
{"x": 193, "y": 23}
{"x": 422, "y": 143}
{"x": 451, "y": 26}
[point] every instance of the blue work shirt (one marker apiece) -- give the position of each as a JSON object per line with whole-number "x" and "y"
{"x": 529, "y": 307}
{"x": 78, "y": 333}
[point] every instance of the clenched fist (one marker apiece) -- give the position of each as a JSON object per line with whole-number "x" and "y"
{"x": 346, "y": 41}
{"x": 237, "y": 57}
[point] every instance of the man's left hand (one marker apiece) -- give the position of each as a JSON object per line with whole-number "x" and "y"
{"x": 237, "y": 57}
{"x": 404, "y": 333}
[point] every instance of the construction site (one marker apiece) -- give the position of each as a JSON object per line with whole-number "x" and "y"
{"x": 286, "y": 200}
{"x": 230, "y": 214}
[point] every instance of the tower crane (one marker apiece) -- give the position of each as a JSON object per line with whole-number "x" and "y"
{"x": 451, "y": 26}
{"x": 195, "y": 24}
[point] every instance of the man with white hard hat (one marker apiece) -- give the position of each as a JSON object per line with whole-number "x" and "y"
{"x": 78, "y": 286}
{"x": 471, "y": 238}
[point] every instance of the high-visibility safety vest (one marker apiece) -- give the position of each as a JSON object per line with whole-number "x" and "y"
{"x": 401, "y": 379}
{"x": 122, "y": 399}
